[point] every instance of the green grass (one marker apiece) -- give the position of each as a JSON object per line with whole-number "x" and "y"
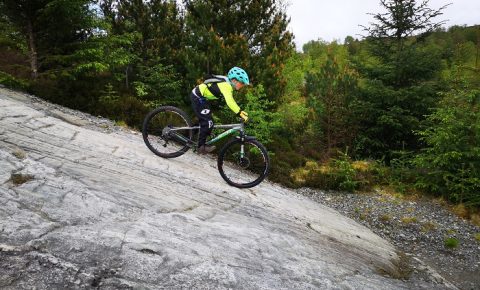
{"x": 451, "y": 243}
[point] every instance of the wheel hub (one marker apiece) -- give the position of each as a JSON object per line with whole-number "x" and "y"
{"x": 244, "y": 162}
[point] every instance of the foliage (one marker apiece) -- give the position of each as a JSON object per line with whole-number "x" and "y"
{"x": 451, "y": 243}
{"x": 345, "y": 173}
{"x": 12, "y": 82}
{"x": 337, "y": 174}
{"x": 451, "y": 160}
{"x": 399, "y": 69}
{"x": 477, "y": 237}
{"x": 105, "y": 54}
{"x": 404, "y": 18}
{"x": 252, "y": 35}
{"x": 292, "y": 105}
{"x": 108, "y": 96}
{"x": 50, "y": 28}
{"x": 329, "y": 91}
{"x": 157, "y": 84}
{"x": 263, "y": 123}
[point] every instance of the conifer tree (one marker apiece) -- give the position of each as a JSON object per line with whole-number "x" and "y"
{"x": 49, "y": 26}
{"x": 398, "y": 93}
{"x": 155, "y": 32}
{"x": 251, "y": 34}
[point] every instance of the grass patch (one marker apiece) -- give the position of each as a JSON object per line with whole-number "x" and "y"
{"x": 385, "y": 218}
{"x": 19, "y": 153}
{"x": 451, "y": 243}
{"x": 428, "y": 226}
{"x": 410, "y": 209}
{"x": 461, "y": 211}
{"x": 18, "y": 178}
{"x": 121, "y": 123}
{"x": 408, "y": 220}
{"x": 451, "y": 231}
{"x": 475, "y": 218}
{"x": 477, "y": 237}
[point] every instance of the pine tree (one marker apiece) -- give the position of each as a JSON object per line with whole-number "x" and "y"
{"x": 155, "y": 32}
{"x": 394, "y": 34}
{"x": 329, "y": 89}
{"x": 49, "y": 26}
{"x": 398, "y": 92}
{"x": 249, "y": 34}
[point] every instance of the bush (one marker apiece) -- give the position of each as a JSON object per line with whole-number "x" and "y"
{"x": 337, "y": 174}
{"x": 126, "y": 108}
{"x": 450, "y": 163}
{"x": 11, "y": 82}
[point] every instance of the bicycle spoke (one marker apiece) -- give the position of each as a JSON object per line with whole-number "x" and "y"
{"x": 243, "y": 171}
{"x": 157, "y": 135}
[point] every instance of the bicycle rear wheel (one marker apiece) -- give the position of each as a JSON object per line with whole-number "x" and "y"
{"x": 243, "y": 171}
{"x": 159, "y": 137}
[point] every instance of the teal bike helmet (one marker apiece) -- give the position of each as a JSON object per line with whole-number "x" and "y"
{"x": 238, "y": 74}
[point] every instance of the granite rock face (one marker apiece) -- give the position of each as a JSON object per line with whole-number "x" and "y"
{"x": 82, "y": 208}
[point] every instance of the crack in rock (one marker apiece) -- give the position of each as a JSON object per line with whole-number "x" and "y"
{"x": 12, "y": 117}
{"x": 74, "y": 136}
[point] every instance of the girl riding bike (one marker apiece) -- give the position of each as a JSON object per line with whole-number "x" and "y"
{"x": 213, "y": 88}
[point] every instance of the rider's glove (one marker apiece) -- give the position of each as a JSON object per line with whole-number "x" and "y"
{"x": 243, "y": 115}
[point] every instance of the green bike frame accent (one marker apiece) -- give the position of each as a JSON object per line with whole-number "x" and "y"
{"x": 232, "y": 129}
{"x": 236, "y": 129}
{"x": 242, "y": 162}
{"x": 223, "y": 135}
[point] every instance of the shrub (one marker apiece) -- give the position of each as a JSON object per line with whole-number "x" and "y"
{"x": 280, "y": 171}
{"x": 451, "y": 161}
{"x": 11, "y": 82}
{"x": 337, "y": 174}
{"x": 344, "y": 173}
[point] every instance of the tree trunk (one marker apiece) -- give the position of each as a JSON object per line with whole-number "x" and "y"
{"x": 32, "y": 50}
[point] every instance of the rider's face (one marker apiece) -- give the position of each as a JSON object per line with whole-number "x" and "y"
{"x": 238, "y": 85}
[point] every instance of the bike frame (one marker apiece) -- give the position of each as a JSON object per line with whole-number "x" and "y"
{"x": 232, "y": 129}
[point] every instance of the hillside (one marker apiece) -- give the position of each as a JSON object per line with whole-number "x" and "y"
{"x": 85, "y": 204}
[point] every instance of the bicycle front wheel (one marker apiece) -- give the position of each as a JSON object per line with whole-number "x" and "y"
{"x": 158, "y": 134}
{"x": 243, "y": 170}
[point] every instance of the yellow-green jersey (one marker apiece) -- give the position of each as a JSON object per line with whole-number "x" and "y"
{"x": 213, "y": 90}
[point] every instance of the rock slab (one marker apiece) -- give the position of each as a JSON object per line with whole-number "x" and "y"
{"x": 83, "y": 208}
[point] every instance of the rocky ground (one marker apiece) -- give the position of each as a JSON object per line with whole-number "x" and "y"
{"x": 418, "y": 227}
{"x": 84, "y": 205}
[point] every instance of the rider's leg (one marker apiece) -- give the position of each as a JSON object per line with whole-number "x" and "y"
{"x": 201, "y": 107}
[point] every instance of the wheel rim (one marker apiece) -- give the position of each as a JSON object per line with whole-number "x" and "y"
{"x": 158, "y": 134}
{"x": 247, "y": 170}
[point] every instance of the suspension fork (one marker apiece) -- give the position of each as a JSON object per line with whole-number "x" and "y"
{"x": 242, "y": 144}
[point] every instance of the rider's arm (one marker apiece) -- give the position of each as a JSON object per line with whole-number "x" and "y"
{"x": 227, "y": 91}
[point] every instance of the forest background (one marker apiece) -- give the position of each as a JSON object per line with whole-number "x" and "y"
{"x": 398, "y": 109}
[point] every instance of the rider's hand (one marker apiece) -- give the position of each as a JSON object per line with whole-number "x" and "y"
{"x": 243, "y": 115}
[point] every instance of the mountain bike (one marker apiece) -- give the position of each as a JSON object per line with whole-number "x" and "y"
{"x": 243, "y": 161}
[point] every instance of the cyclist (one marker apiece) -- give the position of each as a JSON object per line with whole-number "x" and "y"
{"x": 211, "y": 89}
